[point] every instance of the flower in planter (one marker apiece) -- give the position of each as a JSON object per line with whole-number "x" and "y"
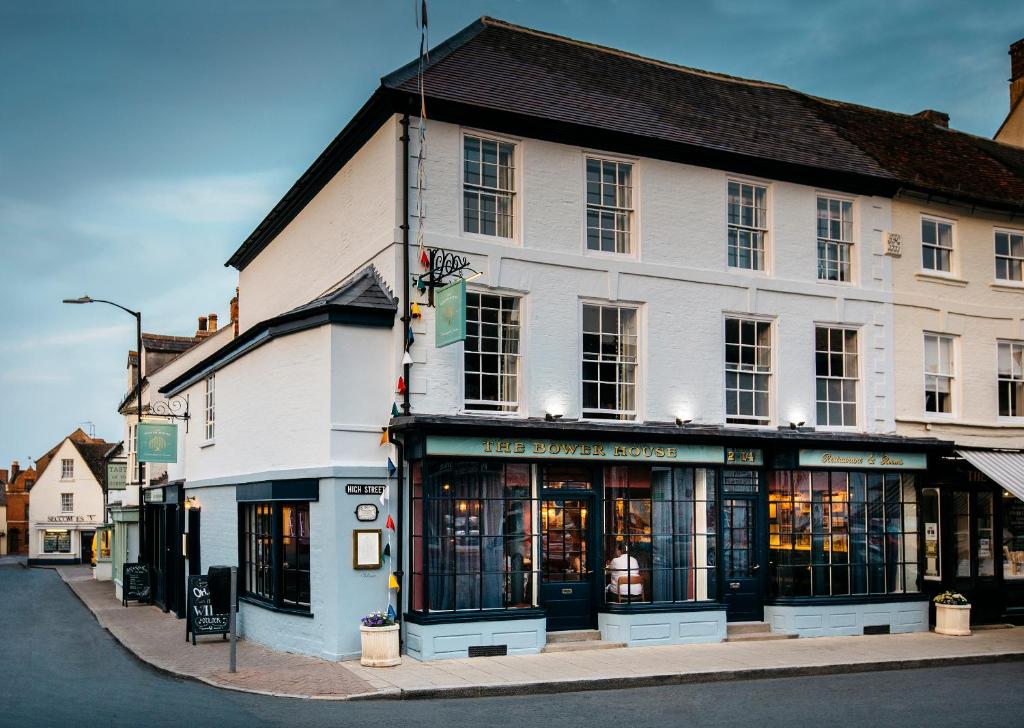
{"x": 952, "y": 598}
{"x": 377, "y": 618}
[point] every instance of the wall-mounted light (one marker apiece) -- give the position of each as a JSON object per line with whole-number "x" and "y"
{"x": 794, "y": 425}
{"x": 192, "y": 504}
{"x": 680, "y": 421}
{"x": 550, "y": 417}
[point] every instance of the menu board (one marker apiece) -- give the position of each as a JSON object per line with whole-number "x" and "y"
{"x": 135, "y": 586}
{"x": 200, "y": 617}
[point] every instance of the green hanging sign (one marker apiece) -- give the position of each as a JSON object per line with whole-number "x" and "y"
{"x": 158, "y": 443}
{"x": 450, "y": 322}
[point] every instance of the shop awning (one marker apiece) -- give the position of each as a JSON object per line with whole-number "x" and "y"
{"x": 1003, "y": 466}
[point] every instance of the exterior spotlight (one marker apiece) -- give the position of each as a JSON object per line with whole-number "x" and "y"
{"x": 680, "y": 421}
{"x": 794, "y": 425}
{"x": 548, "y": 417}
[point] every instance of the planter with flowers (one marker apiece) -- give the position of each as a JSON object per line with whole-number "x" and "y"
{"x": 952, "y": 614}
{"x": 379, "y": 636}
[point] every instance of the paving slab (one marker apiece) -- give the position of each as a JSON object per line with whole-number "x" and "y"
{"x": 158, "y": 639}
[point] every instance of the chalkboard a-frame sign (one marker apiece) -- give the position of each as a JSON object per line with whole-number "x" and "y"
{"x": 135, "y": 584}
{"x": 199, "y": 617}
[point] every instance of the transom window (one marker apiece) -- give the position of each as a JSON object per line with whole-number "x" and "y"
{"x": 275, "y": 563}
{"x": 609, "y": 205}
{"x": 748, "y": 371}
{"x": 209, "y": 406}
{"x": 939, "y": 373}
{"x": 67, "y": 468}
{"x": 835, "y": 239}
{"x": 488, "y": 186}
{"x": 492, "y": 352}
{"x": 936, "y": 245}
{"x": 748, "y": 225}
{"x": 609, "y": 362}
{"x": 835, "y": 355}
{"x": 1011, "y": 378}
{"x": 1009, "y": 256}
{"x": 67, "y": 502}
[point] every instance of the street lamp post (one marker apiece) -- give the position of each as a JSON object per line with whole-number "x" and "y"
{"x": 138, "y": 404}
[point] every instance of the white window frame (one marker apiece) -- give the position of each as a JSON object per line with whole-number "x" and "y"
{"x": 67, "y": 502}
{"x": 953, "y": 267}
{"x": 765, "y": 230}
{"x": 210, "y": 407}
{"x": 954, "y": 399}
{"x": 753, "y": 420}
{"x": 1011, "y": 259}
{"x": 513, "y": 192}
{"x": 1017, "y": 345}
{"x": 480, "y": 406}
{"x": 855, "y": 379}
{"x": 630, "y": 210}
{"x": 620, "y": 415}
{"x": 839, "y": 243}
{"x": 67, "y": 468}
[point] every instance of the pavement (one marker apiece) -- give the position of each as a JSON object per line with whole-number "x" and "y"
{"x": 159, "y": 640}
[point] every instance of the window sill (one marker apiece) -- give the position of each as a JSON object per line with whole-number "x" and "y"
{"x": 610, "y": 255}
{"x": 485, "y": 615}
{"x": 848, "y": 599}
{"x": 1008, "y": 286}
{"x": 272, "y": 608}
{"x": 763, "y": 273}
{"x": 655, "y": 608}
{"x": 207, "y": 443}
{"x": 946, "y": 279}
{"x": 489, "y": 413}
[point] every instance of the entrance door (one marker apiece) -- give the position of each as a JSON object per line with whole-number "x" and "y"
{"x": 741, "y": 564}
{"x": 567, "y": 561}
{"x": 88, "y": 555}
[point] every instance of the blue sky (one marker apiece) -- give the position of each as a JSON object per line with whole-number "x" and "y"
{"x": 140, "y": 142}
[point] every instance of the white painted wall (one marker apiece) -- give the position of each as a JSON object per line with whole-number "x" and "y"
{"x": 45, "y": 501}
{"x": 969, "y": 304}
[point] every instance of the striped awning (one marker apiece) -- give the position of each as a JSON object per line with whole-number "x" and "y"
{"x": 1006, "y": 467}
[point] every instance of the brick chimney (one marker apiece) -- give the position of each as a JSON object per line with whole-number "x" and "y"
{"x": 15, "y": 469}
{"x": 213, "y": 323}
{"x": 234, "y": 313}
{"x": 1016, "y": 73}
{"x": 201, "y": 328}
{"x": 939, "y": 118}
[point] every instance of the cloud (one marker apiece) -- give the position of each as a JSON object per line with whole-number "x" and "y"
{"x": 73, "y": 337}
{"x": 34, "y": 376}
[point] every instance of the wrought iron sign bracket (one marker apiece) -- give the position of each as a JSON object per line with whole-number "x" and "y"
{"x": 443, "y": 267}
{"x": 175, "y": 408}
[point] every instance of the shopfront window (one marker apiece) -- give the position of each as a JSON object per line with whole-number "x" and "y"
{"x": 930, "y": 521}
{"x": 842, "y": 533}
{"x": 275, "y": 553}
{"x": 474, "y": 543}
{"x": 986, "y": 559}
{"x": 1013, "y": 537}
{"x": 962, "y": 532}
{"x": 659, "y": 540}
{"x": 56, "y": 541}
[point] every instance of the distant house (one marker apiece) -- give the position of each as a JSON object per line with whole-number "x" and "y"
{"x": 19, "y": 483}
{"x": 67, "y": 501}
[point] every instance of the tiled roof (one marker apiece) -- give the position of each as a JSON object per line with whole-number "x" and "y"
{"x": 364, "y": 290}
{"x": 95, "y": 456}
{"x": 165, "y": 343}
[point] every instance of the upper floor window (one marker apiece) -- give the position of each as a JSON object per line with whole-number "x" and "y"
{"x": 609, "y": 361}
{"x": 939, "y": 373}
{"x": 835, "y": 352}
{"x": 209, "y": 407}
{"x": 609, "y": 206}
{"x": 67, "y": 469}
{"x": 936, "y": 245}
{"x": 488, "y": 186}
{"x": 1009, "y": 256}
{"x": 835, "y": 239}
{"x": 492, "y": 352}
{"x": 748, "y": 371}
{"x": 67, "y": 502}
{"x": 1011, "y": 378}
{"x": 748, "y": 225}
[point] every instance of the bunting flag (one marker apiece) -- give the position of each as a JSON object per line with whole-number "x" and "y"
{"x": 421, "y": 284}
{"x": 424, "y": 258}
{"x": 394, "y": 409}
{"x": 390, "y": 523}
{"x": 384, "y": 440}
{"x": 392, "y": 615}
{"x": 391, "y": 468}
{"x": 387, "y": 549}
{"x": 401, "y": 385}
{"x": 385, "y": 495}
{"x": 415, "y": 310}
{"x": 411, "y": 339}
{"x": 407, "y": 359}
{"x": 392, "y": 582}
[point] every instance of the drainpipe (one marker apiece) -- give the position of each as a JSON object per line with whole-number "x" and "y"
{"x": 406, "y": 324}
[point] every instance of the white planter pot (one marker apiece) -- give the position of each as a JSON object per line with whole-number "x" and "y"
{"x": 380, "y": 646}
{"x": 953, "y": 619}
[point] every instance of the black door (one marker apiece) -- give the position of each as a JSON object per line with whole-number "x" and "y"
{"x": 88, "y": 556}
{"x": 156, "y": 535}
{"x": 567, "y": 561}
{"x": 741, "y": 562}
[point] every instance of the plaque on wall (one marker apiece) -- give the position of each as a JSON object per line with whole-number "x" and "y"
{"x": 366, "y": 512}
{"x": 366, "y": 548}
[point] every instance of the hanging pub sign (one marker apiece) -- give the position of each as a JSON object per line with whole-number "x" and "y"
{"x": 450, "y": 322}
{"x": 135, "y": 583}
{"x": 200, "y": 618}
{"x": 117, "y": 475}
{"x": 158, "y": 443}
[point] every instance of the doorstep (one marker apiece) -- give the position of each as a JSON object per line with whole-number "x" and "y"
{"x": 158, "y": 639}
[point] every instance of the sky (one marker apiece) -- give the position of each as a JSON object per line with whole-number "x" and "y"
{"x": 142, "y": 141}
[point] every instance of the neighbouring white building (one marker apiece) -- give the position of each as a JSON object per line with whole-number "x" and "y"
{"x": 677, "y": 403}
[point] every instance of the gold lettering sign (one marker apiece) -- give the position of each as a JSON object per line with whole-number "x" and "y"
{"x": 571, "y": 449}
